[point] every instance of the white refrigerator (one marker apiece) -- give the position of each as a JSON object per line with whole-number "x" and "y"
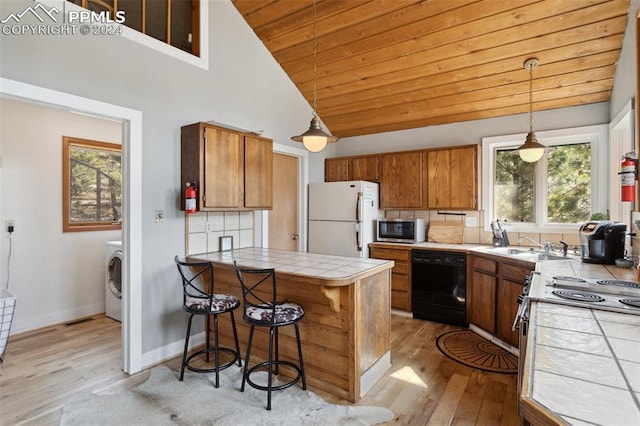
{"x": 342, "y": 217}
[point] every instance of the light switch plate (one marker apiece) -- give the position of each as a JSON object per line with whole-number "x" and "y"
{"x": 159, "y": 216}
{"x": 470, "y": 222}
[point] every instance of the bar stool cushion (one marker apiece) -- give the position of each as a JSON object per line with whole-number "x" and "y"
{"x": 285, "y": 312}
{"x": 219, "y": 303}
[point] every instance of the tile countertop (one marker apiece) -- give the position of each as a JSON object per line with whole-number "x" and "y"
{"x": 583, "y": 365}
{"x": 328, "y": 269}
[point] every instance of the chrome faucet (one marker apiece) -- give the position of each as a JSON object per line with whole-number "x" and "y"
{"x": 565, "y": 247}
{"x": 546, "y": 246}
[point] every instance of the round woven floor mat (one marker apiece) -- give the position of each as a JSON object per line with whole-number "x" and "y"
{"x": 469, "y": 348}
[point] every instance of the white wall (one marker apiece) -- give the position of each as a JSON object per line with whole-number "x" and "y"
{"x": 56, "y": 276}
{"x": 244, "y": 87}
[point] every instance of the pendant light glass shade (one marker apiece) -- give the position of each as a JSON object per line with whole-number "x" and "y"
{"x": 314, "y": 139}
{"x": 531, "y": 151}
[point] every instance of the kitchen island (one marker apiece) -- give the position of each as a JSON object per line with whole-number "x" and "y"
{"x": 346, "y": 328}
{"x": 582, "y": 365}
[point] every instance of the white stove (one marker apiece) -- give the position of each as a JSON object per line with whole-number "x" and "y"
{"x": 601, "y": 294}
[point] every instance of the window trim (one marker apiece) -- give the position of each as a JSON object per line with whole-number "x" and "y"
{"x": 67, "y": 226}
{"x": 598, "y": 136}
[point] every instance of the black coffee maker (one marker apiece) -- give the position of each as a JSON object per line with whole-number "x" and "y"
{"x": 602, "y": 242}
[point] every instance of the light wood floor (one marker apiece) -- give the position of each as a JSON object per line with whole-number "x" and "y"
{"x": 42, "y": 368}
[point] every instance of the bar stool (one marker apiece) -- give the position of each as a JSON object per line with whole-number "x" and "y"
{"x": 261, "y": 309}
{"x": 199, "y": 298}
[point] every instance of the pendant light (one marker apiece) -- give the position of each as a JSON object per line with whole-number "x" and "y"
{"x": 315, "y": 139}
{"x": 531, "y": 151}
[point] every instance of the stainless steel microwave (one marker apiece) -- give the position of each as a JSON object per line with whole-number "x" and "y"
{"x": 400, "y": 230}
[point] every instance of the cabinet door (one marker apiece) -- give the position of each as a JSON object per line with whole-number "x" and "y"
{"x": 452, "y": 178}
{"x": 336, "y": 169}
{"x": 400, "y": 275}
{"x": 258, "y": 172}
{"x": 223, "y": 169}
{"x": 481, "y": 306}
{"x": 507, "y": 307}
{"x": 401, "y": 184}
{"x": 364, "y": 168}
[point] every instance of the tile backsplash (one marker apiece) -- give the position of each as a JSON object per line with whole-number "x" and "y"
{"x": 473, "y": 229}
{"x": 206, "y": 228}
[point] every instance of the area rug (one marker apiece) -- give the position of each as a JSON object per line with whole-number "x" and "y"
{"x": 471, "y": 349}
{"x": 164, "y": 400}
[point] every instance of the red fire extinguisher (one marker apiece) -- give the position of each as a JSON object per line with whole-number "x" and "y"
{"x": 628, "y": 179}
{"x": 190, "y": 198}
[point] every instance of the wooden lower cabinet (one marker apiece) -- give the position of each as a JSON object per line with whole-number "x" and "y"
{"x": 400, "y": 275}
{"x": 492, "y": 294}
{"x": 506, "y": 309}
{"x": 481, "y": 308}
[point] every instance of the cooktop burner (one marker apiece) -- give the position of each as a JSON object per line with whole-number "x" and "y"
{"x": 631, "y": 302}
{"x": 573, "y": 279}
{"x": 580, "y": 296}
{"x": 620, "y": 283}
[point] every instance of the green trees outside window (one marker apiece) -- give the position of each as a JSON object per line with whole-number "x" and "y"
{"x": 92, "y": 185}
{"x": 567, "y": 187}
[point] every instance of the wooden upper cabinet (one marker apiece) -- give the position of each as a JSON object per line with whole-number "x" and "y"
{"x": 233, "y": 170}
{"x": 453, "y": 178}
{"x": 223, "y": 169}
{"x": 336, "y": 169}
{"x": 430, "y": 179}
{"x": 351, "y": 168}
{"x": 258, "y": 172}
{"x": 364, "y": 168}
{"x": 401, "y": 180}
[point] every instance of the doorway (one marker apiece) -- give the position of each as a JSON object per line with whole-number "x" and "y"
{"x": 287, "y": 219}
{"x": 283, "y": 232}
{"x": 132, "y": 194}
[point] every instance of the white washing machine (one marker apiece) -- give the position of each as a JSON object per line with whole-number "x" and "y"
{"x": 113, "y": 291}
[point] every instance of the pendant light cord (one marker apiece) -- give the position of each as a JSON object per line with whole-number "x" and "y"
{"x": 315, "y": 61}
{"x": 530, "y": 98}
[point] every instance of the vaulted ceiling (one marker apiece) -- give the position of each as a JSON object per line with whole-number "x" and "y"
{"x": 386, "y": 65}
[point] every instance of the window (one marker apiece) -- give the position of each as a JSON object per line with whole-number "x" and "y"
{"x": 555, "y": 194}
{"x": 198, "y": 53}
{"x": 174, "y": 22}
{"x": 91, "y": 185}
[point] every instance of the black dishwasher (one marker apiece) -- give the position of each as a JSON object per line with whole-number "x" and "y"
{"x": 438, "y": 286}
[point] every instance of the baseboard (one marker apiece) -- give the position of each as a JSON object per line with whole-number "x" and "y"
{"x": 402, "y": 313}
{"x": 165, "y": 353}
{"x": 374, "y": 373}
{"x": 54, "y": 318}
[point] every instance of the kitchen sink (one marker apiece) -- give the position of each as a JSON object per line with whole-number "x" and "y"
{"x": 506, "y": 250}
{"x": 530, "y": 255}
{"x": 547, "y": 256}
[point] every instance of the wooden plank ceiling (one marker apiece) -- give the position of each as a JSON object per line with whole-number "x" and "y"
{"x": 388, "y": 65}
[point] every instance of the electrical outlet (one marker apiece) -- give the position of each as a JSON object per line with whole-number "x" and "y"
{"x": 10, "y": 225}
{"x": 159, "y": 216}
{"x": 208, "y": 226}
{"x": 470, "y": 222}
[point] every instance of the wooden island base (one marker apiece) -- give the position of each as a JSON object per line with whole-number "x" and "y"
{"x": 345, "y": 332}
